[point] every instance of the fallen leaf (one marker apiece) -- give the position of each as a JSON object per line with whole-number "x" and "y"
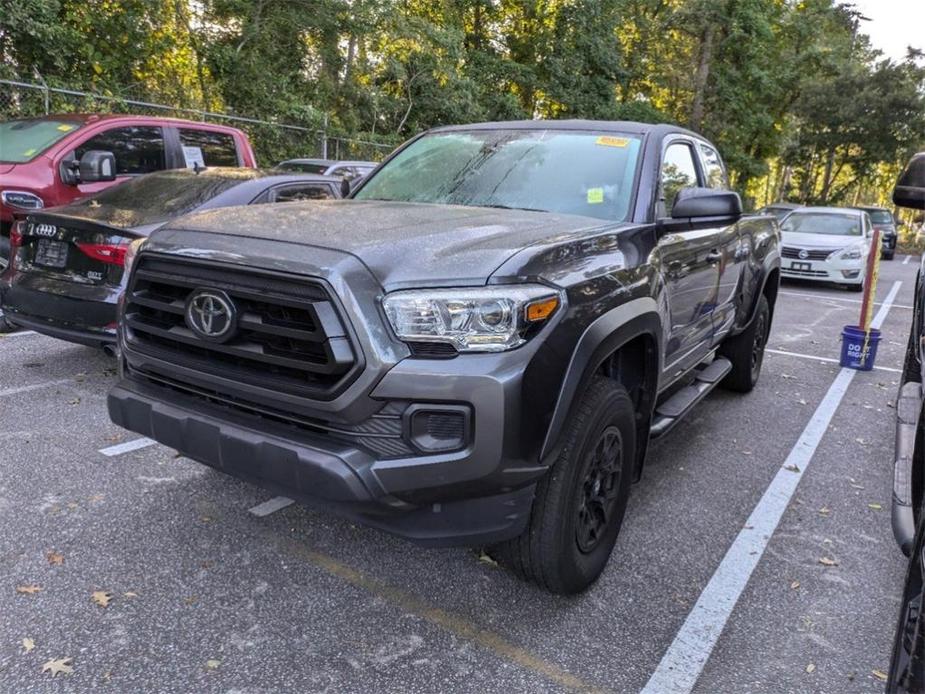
{"x": 55, "y": 558}
{"x": 75, "y": 401}
{"x": 787, "y": 376}
{"x": 794, "y": 585}
{"x": 485, "y": 559}
{"x": 30, "y": 589}
{"x": 825, "y": 561}
{"x": 879, "y": 674}
{"x": 801, "y": 401}
{"x": 60, "y": 665}
{"x": 101, "y": 598}
{"x": 130, "y": 594}
{"x": 791, "y": 468}
{"x": 875, "y": 507}
{"x": 858, "y": 486}
{"x": 213, "y": 664}
{"x": 825, "y": 510}
{"x": 810, "y": 667}
{"x": 27, "y": 645}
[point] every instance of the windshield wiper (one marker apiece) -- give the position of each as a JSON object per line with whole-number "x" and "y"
{"x": 510, "y": 207}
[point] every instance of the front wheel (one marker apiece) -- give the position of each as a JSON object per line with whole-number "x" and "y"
{"x": 746, "y": 350}
{"x": 580, "y": 503}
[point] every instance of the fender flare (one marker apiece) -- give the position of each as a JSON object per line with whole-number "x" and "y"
{"x": 601, "y": 339}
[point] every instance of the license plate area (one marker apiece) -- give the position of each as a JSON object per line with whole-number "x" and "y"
{"x": 801, "y": 267}
{"x": 50, "y": 253}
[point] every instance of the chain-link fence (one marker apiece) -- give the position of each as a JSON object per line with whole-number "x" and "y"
{"x": 272, "y": 141}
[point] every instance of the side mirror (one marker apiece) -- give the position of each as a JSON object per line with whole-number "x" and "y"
{"x": 910, "y": 188}
{"x": 355, "y": 183}
{"x": 97, "y": 165}
{"x": 707, "y": 204}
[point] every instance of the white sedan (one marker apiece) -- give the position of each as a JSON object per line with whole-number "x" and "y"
{"x": 827, "y": 244}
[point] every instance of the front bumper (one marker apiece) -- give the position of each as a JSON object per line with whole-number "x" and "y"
{"x": 839, "y": 271}
{"x": 472, "y": 496}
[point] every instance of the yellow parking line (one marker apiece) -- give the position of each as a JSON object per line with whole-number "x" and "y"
{"x": 447, "y": 620}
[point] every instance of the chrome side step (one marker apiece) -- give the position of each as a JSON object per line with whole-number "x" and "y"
{"x": 670, "y": 412}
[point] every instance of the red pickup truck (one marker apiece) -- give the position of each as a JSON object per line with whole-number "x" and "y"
{"x": 55, "y": 159}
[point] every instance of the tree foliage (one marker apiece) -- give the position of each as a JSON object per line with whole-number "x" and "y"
{"x": 791, "y": 91}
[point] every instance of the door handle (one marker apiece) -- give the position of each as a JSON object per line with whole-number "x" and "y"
{"x": 714, "y": 256}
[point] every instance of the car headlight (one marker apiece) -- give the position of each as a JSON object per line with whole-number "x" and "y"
{"x": 485, "y": 319}
{"x": 853, "y": 253}
{"x": 131, "y": 253}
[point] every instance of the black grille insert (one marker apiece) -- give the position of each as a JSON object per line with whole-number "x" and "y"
{"x": 289, "y": 336}
{"x": 790, "y": 252}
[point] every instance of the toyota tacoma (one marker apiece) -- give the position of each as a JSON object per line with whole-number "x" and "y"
{"x": 475, "y": 349}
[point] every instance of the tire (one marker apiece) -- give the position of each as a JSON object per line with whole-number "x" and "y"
{"x": 568, "y": 540}
{"x": 746, "y": 351}
{"x": 856, "y": 287}
{"x": 5, "y": 325}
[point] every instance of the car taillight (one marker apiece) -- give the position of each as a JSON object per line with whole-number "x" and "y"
{"x": 16, "y": 233}
{"x": 112, "y": 253}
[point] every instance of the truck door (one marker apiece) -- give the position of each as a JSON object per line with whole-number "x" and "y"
{"x": 690, "y": 262}
{"x": 734, "y": 249}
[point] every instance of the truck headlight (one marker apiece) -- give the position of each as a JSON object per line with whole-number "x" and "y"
{"x": 853, "y": 253}
{"x": 131, "y": 253}
{"x": 484, "y": 319}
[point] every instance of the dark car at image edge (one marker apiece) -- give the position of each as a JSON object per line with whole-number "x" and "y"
{"x": 67, "y": 263}
{"x": 474, "y": 350}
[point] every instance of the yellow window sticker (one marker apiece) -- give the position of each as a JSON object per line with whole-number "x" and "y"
{"x": 595, "y": 196}
{"x": 28, "y": 152}
{"x": 608, "y": 141}
{"x": 65, "y": 128}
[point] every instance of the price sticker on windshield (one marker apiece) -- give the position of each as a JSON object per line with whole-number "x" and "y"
{"x": 595, "y": 196}
{"x": 608, "y": 141}
{"x": 65, "y": 128}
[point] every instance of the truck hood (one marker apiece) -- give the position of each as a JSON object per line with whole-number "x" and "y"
{"x": 403, "y": 244}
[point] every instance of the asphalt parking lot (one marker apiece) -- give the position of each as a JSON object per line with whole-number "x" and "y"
{"x": 209, "y": 589}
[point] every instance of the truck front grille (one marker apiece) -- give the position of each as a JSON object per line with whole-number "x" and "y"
{"x": 288, "y": 336}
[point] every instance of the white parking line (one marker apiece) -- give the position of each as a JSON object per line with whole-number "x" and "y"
{"x": 825, "y": 359}
{"x": 683, "y": 662}
{"x": 36, "y": 386}
{"x": 21, "y": 333}
{"x": 807, "y": 295}
{"x": 126, "y": 447}
{"x": 271, "y": 506}
{"x": 907, "y": 259}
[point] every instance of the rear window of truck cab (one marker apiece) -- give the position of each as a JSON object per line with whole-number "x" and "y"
{"x": 550, "y": 170}
{"x": 24, "y": 140}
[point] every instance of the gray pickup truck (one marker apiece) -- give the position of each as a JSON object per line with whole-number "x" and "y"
{"x": 474, "y": 350}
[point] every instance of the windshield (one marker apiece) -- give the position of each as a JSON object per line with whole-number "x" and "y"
{"x": 303, "y": 167}
{"x": 880, "y": 216}
{"x": 23, "y": 140}
{"x": 548, "y": 170}
{"x": 158, "y": 197}
{"x": 830, "y": 223}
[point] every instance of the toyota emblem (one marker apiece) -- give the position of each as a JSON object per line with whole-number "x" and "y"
{"x": 804, "y": 254}
{"x": 211, "y": 315}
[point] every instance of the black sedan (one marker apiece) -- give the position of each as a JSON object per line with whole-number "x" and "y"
{"x": 65, "y": 274}
{"x": 884, "y": 221}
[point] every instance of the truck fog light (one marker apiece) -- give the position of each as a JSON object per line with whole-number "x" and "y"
{"x": 437, "y": 428}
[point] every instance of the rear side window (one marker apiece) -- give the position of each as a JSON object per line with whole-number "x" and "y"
{"x": 305, "y": 191}
{"x": 678, "y": 171}
{"x": 217, "y": 149}
{"x": 138, "y": 149}
{"x": 713, "y": 168}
